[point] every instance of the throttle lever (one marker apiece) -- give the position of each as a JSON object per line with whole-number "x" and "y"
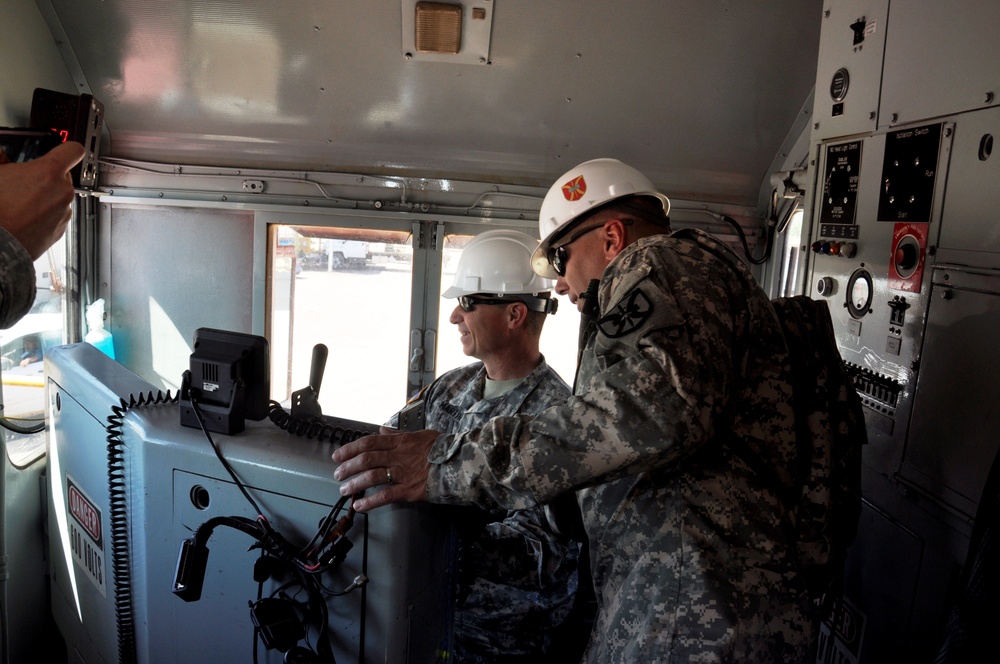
{"x": 318, "y": 367}
{"x": 305, "y": 402}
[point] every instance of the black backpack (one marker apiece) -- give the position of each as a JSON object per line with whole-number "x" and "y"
{"x": 830, "y": 427}
{"x": 830, "y": 431}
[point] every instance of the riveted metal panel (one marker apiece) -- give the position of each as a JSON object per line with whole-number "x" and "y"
{"x": 934, "y": 59}
{"x": 969, "y": 231}
{"x": 849, "y": 71}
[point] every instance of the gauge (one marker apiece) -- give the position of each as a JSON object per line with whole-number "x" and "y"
{"x": 859, "y": 293}
{"x": 838, "y": 85}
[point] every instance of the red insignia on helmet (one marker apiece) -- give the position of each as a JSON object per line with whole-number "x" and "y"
{"x": 575, "y": 188}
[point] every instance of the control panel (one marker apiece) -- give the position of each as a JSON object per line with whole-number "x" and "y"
{"x": 904, "y": 112}
{"x": 876, "y": 214}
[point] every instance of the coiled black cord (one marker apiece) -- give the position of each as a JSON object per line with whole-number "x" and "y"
{"x": 313, "y": 427}
{"x": 118, "y": 515}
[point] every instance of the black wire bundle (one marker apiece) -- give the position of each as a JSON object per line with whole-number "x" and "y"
{"x": 326, "y": 550}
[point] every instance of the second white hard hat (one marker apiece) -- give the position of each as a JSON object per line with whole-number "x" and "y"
{"x": 497, "y": 262}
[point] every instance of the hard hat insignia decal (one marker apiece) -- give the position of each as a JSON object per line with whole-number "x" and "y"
{"x": 575, "y": 188}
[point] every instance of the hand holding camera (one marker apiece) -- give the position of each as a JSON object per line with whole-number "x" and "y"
{"x": 36, "y": 196}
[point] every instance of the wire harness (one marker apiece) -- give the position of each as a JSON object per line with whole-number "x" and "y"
{"x": 280, "y": 621}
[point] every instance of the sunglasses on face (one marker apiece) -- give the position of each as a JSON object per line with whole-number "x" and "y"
{"x": 558, "y": 256}
{"x": 469, "y": 302}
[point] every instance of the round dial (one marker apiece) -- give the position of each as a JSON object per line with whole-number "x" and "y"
{"x": 859, "y": 293}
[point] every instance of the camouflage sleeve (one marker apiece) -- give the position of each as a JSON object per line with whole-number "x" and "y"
{"x": 648, "y": 396}
{"x": 17, "y": 280}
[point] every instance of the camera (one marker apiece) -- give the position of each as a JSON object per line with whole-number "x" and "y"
{"x": 19, "y": 144}
{"x": 57, "y": 117}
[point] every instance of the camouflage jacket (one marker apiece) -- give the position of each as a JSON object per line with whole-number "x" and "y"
{"x": 17, "y": 280}
{"x": 679, "y": 442}
{"x": 517, "y": 578}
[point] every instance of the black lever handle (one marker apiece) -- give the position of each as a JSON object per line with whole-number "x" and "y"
{"x": 320, "y": 353}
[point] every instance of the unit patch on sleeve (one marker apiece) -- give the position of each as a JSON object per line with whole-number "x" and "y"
{"x": 631, "y": 312}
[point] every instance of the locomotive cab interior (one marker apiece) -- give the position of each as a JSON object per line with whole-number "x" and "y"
{"x": 286, "y": 176}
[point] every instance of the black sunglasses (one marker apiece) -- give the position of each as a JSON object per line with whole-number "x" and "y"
{"x": 469, "y": 302}
{"x": 558, "y": 256}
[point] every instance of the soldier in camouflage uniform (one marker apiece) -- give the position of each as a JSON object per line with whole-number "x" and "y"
{"x": 517, "y": 578}
{"x": 35, "y": 203}
{"x": 679, "y": 442}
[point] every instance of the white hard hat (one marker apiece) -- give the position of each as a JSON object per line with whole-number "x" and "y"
{"x": 582, "y": 189}
{"x": 497, "y": 263}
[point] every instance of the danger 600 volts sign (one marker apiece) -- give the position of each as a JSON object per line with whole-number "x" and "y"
{"x": 86, "y": 536}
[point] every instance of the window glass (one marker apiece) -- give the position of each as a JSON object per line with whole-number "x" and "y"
{"x": 559, "y": 335}
{"x": 21, "y": 353}
{"x": 790, "y": 262}
{"x": 348, "y": 289}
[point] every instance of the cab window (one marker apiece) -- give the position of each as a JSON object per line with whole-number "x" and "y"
{"x": 358, "y": 291}
{"x": 22, "y": 347}
{"x": 348, "y": 289}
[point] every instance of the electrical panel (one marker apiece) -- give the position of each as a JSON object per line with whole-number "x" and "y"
{"x": 849, "y": 73}
{"x": 906, "y": 250}
{"x": 970, "y": 234}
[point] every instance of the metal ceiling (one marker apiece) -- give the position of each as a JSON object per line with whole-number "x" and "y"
{"x": 699, "y": 95}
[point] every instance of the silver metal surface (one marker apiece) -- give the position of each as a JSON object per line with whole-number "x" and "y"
{"x": 942, "y": 73}
{"x": 700, "y": 96}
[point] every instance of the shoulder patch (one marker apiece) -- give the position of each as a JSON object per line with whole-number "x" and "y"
{"x": 630, "y": 313}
